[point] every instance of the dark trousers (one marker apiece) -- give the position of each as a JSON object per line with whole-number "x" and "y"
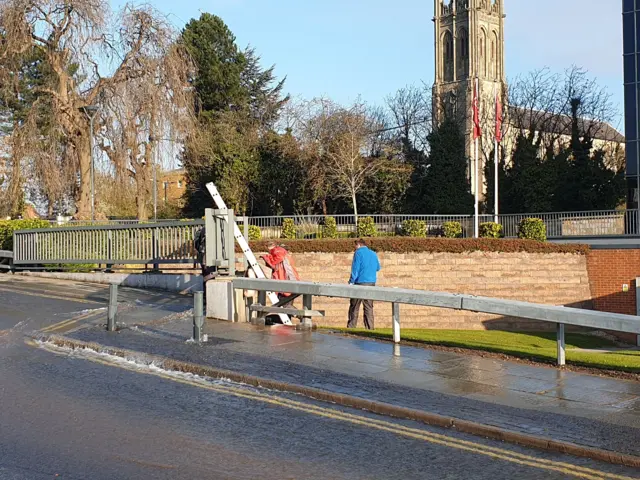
{"x": 354, "y": 311}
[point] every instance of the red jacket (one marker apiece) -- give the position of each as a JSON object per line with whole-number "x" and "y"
{"x": 282, "y": 265}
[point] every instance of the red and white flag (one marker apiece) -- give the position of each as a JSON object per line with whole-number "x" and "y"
{"x": 498, "y": 118}
{"x": 477, "y": 133}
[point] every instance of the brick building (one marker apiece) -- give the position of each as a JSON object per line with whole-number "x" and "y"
{"x": 171, "y": 186}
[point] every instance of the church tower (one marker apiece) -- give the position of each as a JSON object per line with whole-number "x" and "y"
{"x": 469, "y": 42}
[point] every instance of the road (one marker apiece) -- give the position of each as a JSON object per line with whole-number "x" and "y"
{"x": 83, "y": 416}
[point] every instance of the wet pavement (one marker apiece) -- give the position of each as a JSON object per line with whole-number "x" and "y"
{"x": 78, "y": 415}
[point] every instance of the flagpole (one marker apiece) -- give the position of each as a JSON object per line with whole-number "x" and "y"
{"x": 496, "y": 158}
{"x": 476, "y": 226}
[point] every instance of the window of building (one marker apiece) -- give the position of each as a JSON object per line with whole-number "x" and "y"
{"x": 631, "y": 121}
{"x": 628, "y": 5}
{"x": 629, "y": 68}
{"x": 628, "y": 33}
{"x": 179, "y": 183}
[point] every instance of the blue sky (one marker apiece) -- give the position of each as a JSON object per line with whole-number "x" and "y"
{"x": 346, "y": 48}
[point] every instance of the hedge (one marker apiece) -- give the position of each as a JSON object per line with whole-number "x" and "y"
{"x": 427, "y": 245}
{"x": 414, "y": 228}
{"x": 490, "y": 230}
{"x": 367, "y": 227}
{"x": 452, "y": 229}
{"x": 532, "y": 229}
{"x": 7, "y": 227}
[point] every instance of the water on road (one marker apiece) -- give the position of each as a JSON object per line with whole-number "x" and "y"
{"x": 81, "y": 415}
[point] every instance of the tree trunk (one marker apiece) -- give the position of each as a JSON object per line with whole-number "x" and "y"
{"x": 355, "y": 205}
{"x": 142, "y": 192}
{"x": 15, "y": 189}
{"x": 83, "y": 206}
{"x": 323, "y": 202}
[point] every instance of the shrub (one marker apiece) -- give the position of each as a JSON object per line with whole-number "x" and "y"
{"x": 288, "y": 229}
{"x": 490, "y": 230}
{"x": 427, "y": 245}
{"x": 7, "y": 227}
{"x": 532, "y": 229}
{"x": 367, "y": 227}
{"x": 254, "y": 233}
{"x": 414, "y": 228}
{"x": 330, "y": 228}
{"x": 452, "y": 229}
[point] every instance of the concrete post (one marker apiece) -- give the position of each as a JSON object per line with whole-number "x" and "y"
{"x": 561, "y": 345}
{"x": 198, "y": 316}
{"x": 395, "y": 308}
{"x": 112, "y": 311}
{"x": 231, "y": 242}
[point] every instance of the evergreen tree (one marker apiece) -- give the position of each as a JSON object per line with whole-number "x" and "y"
{"x": 584, "y": 181}
{"x": 279, "y": 176}
{"x": 219, "y": 62}
{"x": 529, "y": 182}
{"x": 442, "y": 186}
{"x": 239, "y": 104}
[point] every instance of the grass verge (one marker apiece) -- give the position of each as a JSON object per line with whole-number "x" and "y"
{"x": 535, "y": 346}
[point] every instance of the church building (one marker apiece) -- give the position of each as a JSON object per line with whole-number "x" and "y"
{"x": 469, "y": 44}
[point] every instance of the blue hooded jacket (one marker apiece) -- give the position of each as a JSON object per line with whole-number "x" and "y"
{"x": 365, "y": 266}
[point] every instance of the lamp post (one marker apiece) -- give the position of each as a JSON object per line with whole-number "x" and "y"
{"x": 155, "y": 179}
{"x": 90, "y": 111}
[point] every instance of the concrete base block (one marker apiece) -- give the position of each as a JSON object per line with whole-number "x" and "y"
{"x": 178, "y": 283}
{"x": 223, "y": 302}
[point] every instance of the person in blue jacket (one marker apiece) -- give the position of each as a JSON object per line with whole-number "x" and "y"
{"x": 364, "y": 271}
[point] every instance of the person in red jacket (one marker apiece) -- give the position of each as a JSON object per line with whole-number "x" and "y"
{"x": 281, "y": 263}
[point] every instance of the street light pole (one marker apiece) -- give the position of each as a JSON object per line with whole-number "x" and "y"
{"x": 90, "y": 111}
{"x": 154, "y": 166}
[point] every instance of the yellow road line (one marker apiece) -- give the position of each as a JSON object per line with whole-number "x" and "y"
{"x": 66, "y": 323}
{"x": 434, "y": 438}
{"x": 59, "y": 297}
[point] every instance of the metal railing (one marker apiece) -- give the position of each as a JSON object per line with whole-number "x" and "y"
{"x": 158, "y": 243}
{"x": 558, "y": 315}
{"x": 559, "y": 225}
{"x": 99, "y": 223}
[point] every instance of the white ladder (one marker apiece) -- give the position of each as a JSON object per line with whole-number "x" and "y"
{"x": 246, "y": 250}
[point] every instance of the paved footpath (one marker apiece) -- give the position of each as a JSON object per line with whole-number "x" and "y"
{"x": 579, "y": 408}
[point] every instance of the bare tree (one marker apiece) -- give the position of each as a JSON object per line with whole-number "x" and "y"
{"x": 540, "y": 107}
{"x": 348, "y": 163}
{"x": 74, "y": 34}
{"x": 410, "y": 108}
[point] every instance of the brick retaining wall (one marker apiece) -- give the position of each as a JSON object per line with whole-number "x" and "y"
{"x": 557, "y": 279}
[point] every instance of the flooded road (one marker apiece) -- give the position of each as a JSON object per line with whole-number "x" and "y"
{"x": 80, "y": 415}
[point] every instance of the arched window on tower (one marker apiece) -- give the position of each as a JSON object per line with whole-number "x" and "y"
{"x": 482, "y": 53}
{"x": 448, "y": 56}
{"x": 462, "y": 55}
{"x": 495, "y": 64}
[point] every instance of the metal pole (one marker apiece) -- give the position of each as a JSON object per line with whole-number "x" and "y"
{"x": 155, "y": 183}
{"x": 476, "y": 227}
{"x": 112, "y": 311}
{"x": 495, "y": 183}
{"x": 198, "y": 316}
{"x": 93, "y": 194}
{"x": 395, "y": 308}
{"x": 307, "y": 304}
{"x": 561, "y": 345}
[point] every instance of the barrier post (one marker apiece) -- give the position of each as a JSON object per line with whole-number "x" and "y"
{"x": 561, "y": 345}
{"x": 112, "y": 311}
{"x": 395, "y": 307}
{"x": 198, "y": 316}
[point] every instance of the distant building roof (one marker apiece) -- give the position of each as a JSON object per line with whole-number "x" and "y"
{"x": 530, "y": 119}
